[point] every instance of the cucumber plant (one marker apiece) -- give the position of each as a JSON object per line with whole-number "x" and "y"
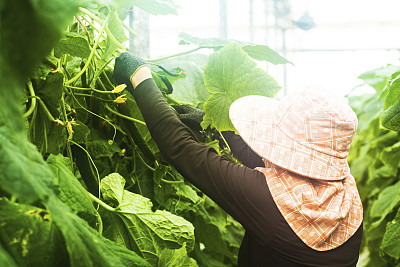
{"x": 78, "y": 166}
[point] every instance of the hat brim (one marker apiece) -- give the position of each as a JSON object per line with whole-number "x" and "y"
{"x": 253, "y": 118}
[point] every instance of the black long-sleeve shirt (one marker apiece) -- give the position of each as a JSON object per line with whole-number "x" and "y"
{"x": 240, "y": 190}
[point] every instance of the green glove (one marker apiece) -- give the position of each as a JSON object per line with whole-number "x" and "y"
{"x": 126, "y": 65}
{"x": 190, "y": 116}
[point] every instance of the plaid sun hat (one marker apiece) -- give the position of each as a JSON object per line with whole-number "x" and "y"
{"x": 304, "y": 140}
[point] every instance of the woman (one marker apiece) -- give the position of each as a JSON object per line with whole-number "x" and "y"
{"x": 295, "y": 195}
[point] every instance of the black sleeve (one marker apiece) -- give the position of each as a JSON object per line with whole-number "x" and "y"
{"x": 240, "y": 191}
{"x": 242, "y": 151}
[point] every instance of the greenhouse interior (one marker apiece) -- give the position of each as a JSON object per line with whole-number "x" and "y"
{"x": 207, "y": 133}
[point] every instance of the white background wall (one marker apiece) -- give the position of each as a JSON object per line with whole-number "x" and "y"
{"x": 350, "y": 36}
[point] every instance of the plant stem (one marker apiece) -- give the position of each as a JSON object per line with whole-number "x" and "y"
{"x": 179, "y": 54}
{"x": 226, "y": 143}
{"x": 99, "y": 98}
{"x": 89, "y": 89}
{"x": 173, "y": 101}
{"x": 91, "y": 53}
{"x": 171, "y": 182}
{"x": 94, "y": 114}
{"x": 33, "y": 100}
{"x": 44, "y": 107}
{"x": 101, "y": 203}
{"x": 100, "y": 222}
{"x": 145, "y": 164}
{"x": 98, "y": 20}
{"x": 129, "y": 29}
{"x": 124, "y": 116}
{"x": 98, "y": 73}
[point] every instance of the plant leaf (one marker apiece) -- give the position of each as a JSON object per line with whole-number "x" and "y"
{"x": 31, "y": 235}
{"x": 390, "y": 118}
{"x": 23, "y": 171}
{"x": 85, "y": 246}
{"x": 116, "y": 28}
{"x": 176, "y": 258}
{"x": 377, "y": 78}
{"x": 101, "y": 148}
{"x": 47, "y": 135}
{"x": 152, "y": 231}
{"x": 73, "y": 44}
{"x": 190, "y": 90}
{"x": 258, "y": 52}
{"x": 153, "y": 7}
{"x": 70, "y": 190}
{"x": 387, "y": 200}
{"x": 391, "y": 240}
{"x": 229, "y": 75}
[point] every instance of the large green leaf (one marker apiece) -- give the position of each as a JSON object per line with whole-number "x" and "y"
{"x": 73, "y": 44}
{"x": 391, "y": 155}
{"x": 214, "y": 229}
{"x": 176, "y": 258}
{"x": 190, "y": 90}
{"x": 27, "y": 230}
{"x": 70, "y": 191}
{"x": 23, "y": 172}
{"x": 5, "y": 258}
{"x": 258, "y": 52}
{"x": 116, "y": 28}
{"x": 377, "y": 78}
{"x": 39, "y": 23}
{"x": 85, "y": 246}
{"x": 393, "y": 94}
{"x": 391, "y": 240}
{"x": 387, "y": 200}
{"x": 390, "y": 117}
{"x": 151, "y": 231}
{"x": 229, "y": 75}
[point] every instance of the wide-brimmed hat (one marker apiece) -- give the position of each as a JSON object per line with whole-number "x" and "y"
{"x": 307, "y": 132}
{"x": 304, "y": 140}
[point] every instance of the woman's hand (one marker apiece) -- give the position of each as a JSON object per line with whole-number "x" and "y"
{"x": 130, "y": 70}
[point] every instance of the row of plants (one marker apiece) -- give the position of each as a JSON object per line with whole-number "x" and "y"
{"x": 81, "y": 181}
{"x": 374, "y": 161}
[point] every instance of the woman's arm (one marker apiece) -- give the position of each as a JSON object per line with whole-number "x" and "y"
{"x": 240, "y": 191}
{"x": 242, "y": 151}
